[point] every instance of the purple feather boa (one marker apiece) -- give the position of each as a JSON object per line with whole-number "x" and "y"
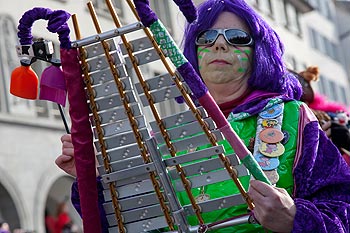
{"x": 148, "y": 17}
{"x": 57, "y": 24}
{"x": 188, "y": 9}
{"x": 146, "y": 14}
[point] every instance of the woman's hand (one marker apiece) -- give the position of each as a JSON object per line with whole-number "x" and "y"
{"x": 274, "y": 208}
{"x": 66, "y": 160}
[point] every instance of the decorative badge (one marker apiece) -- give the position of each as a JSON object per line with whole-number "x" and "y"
{"x": 271, "y": 149}
{"x": 269, "y": 123}
{"x": 272, "y": 112}
{"x": 271, "y": 135}
{"x": 266, "y": 163}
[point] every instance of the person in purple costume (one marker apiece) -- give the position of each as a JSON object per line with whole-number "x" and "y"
{"x": 239, "y": 57}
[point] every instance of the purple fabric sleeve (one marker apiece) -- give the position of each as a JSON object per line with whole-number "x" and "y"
{"x": 76, "y": 202}
{"x": 188, "y": 9}
{"x": 57, "y": 24}
{"x": 82, "y": 140}
{"x": 147, "y": 16}
{"x": 192, "y": 79}
{"x": 322, "y": 181}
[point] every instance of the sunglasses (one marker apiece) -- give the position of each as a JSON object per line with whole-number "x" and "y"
{"x": 234, "y": 37}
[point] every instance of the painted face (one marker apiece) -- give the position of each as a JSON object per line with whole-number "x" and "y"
{"x": 223, "y": 62}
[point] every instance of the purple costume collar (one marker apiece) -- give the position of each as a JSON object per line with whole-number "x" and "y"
{"x": 257, "y": 100}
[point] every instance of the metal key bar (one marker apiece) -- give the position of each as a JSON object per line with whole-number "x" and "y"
{"x": 199, "y": 167}
{"x": 137, "y": 214}
{"x": 128, "y": 173}
{"x": 185, "y": 130}
{"x": 215, "y": 204}
{"x": 108, "y": 88}
{"x": 134, "y": 189}
{"x": 178, "y": 119}
{"x": 190, "y": 143}
{"x": 159, "y": 81}
{"x": 120, "y": 153}
{"x": 125, "y": 182}
{"x": 96, "y": 49}
{"x": 161, "y": 95}
{"x": 125, "y": 163}
{"x": 102, "y": 76}
{"x": 210, "y": 178}
{"x": 113, "y": 101}
{"x": 124, "y": 139}
{"x": 144, "y": 226}
{"x": 118, "y": 113}
{"x": 122, "y": 126}
{"x": 133, "y": 202}
{"x": 137, "y": 45}
{"x": 142, "y": 58}
{"x": 101, "y": 62}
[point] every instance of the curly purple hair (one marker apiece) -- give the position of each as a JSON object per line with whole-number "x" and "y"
{"x": 268, "y": 70}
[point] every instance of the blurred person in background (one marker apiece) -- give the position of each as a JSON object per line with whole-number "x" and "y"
{"x": 4, "y": 227}
{"x": 50, "y": 222}
{"x": 333, "y": 117}
{"x": 63, "y": 222}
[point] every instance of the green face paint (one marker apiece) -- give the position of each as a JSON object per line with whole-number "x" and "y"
{"x": 203, "y": 50}
{"x": 241, "y": 70}
{"x": 199, "y": 51}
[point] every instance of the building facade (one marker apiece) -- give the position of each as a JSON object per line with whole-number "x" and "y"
{"x": 30, "y": 130}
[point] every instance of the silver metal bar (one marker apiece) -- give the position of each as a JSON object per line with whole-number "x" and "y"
{"x": 176, "y": 209}
{"x": 196, "y": 155}
{"x": 178, "y": 119}
{"x": 190, "y": 143}
{"x": 210, "y": 178}
{"x": 107, "y": 35}
{"x": 128, "y": 173}
{"x": 185, "y": 130}
{"x": 233, "y": 222}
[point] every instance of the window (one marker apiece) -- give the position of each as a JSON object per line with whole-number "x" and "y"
{"x": 280, "y": 15}
{"x": 334, "y": 90}
{"x": 334, "y": 51}
{"x": 342, "y": 96}
{"x": 161, "y": 8}
{"x": 292, "y": 18}
{"x": 323, "y": 44}
{"x": 266, "y": 7}
{"x": 323, "y": 7}
{"x": 313, "y": 36}
{"x": 102, "y": 9}
{"x": 323, "y": 84}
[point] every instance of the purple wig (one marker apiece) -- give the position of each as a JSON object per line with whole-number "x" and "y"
{"x": 268, "y": 70}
